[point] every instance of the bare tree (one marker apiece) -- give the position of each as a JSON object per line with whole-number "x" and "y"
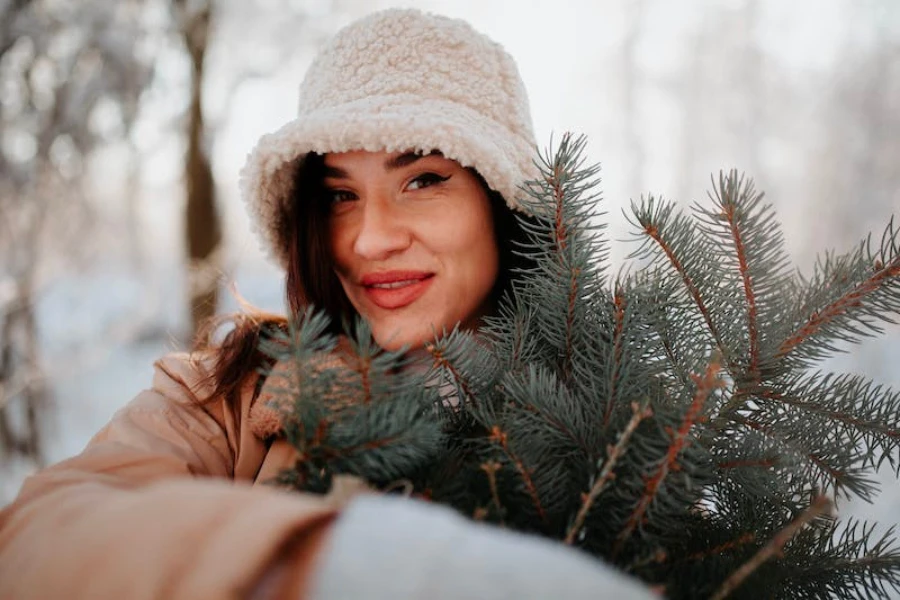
{"x": 203, "y": 226}
{"x": 60, "y": 65}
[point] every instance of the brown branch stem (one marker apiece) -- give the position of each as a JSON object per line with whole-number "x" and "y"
{"x": 748, "y": 290}
{"x": 705, "y": 386}
{"x": 441, "y": 361}
{"x": 606, "y": 473}
{"x": 852, "y": 299}
{"x": 617, "y": 354}
{"x": 693, "y": 290}
{"x": 500, "y": 437}
{"x": 774, "y": 547}
{"x": 491, "y": 468}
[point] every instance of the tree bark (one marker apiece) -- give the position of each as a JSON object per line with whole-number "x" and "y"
{"x": 203, "y": 229}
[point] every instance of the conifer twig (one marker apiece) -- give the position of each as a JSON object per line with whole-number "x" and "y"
{"x": 705, "y": 386}
{"x": 561, "y": 237}
{"x": 741, "y": 540}
{"x": 820, "y": 506}
{"x": 851, "y": 299}
{"x": 437, "y": 355}
{"x": 736, "y": 234}
{"x": 499, "y": 436}
{"x": 606, "y": 474}
{"x": 491, "y": 468}
{"x": 364, "y": 368}
{"x": 838, "y": 475}
{"x": 653, "y": 231}
{"x": 619, "y": 303}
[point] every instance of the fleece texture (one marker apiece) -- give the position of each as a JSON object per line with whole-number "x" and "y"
{"x": 398, "y": 80}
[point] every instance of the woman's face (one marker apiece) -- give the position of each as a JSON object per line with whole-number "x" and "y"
{"x": 412, "y": 239}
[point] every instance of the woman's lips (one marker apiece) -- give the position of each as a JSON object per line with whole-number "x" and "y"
{"x": 396, "y": 289}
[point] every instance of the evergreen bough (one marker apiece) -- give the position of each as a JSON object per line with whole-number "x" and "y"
{"x": 669, "y": 421}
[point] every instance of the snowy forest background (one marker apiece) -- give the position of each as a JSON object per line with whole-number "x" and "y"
{"x": 124, "y": 125}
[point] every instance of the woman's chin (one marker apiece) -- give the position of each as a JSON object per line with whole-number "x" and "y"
{"x": 408, "y": 338}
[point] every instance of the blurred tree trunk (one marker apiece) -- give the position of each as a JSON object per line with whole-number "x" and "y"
{"x": 22, "y": 391}
{"x": 203, "y": 226}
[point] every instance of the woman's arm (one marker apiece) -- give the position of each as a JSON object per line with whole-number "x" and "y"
{"x": 148, "y": 510}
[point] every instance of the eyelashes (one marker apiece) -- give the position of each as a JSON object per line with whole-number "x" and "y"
{"x": 426, "y": 180}
{"x": 334, "y": 196}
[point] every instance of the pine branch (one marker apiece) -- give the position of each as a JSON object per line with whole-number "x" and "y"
{"x": 500, "y": 438}
{"x": 706, "y": 385}
{"x": 614, "y": 371}
{"x": 819, "y": 507}
{"x": 671, "y": 233}
{"x": 606, "y": 473}
{"x": 730, "y": 208}
{"x": 846, "y": 297}
{"x": 841, "y": 306}
{"x": 530, "y": 391}
{"x": 490, "y": 468}
{"x": 817, "y": 453}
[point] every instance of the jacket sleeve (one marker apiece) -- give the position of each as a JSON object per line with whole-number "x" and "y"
{"x": 149, "y": 510}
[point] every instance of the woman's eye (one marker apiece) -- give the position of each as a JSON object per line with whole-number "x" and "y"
{"x": 426, "y": 180}
{"x": 338, "y": 196}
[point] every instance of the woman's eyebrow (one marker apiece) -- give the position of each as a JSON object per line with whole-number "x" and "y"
{"x": 335, "y": 173}
{"x": 406, "y": 159}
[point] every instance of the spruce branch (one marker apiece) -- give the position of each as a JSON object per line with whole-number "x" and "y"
{"x": 846, "y": 297}
{"x": 501, "y": 438}
{"x": 565, "y": 245}
{"x": 673, "y": 235}
{"x": 490, "y": 469}
{"x": 841, "y": 306}
{"x": 606, "y": 473}
{"x": 615, "y": 368}
{"x": 748, "y": 537}
{"x": 852, "y": 407}
{"x": 530, "y": 422}
{"x": 820, "y": 506}
{"x": 539, "y": 393}
{"x": 730, "y": 208}
{"x": 439, "y": 361}
{"x": 847, "y": 561}
{"x": 829, "y": 464}
{"x": 705, "y": 386}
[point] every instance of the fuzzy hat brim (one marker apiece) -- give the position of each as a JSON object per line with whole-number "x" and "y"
{"x": 389, "y": 123}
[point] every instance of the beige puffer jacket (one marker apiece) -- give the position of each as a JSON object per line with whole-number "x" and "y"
{"x": 102, "y": 524}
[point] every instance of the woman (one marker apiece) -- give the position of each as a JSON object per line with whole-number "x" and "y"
{"x": 384, "y": 198}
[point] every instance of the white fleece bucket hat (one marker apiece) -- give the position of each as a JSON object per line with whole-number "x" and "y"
{"x": 398, "y": 80}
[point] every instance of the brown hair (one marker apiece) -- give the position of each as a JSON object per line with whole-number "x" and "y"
{"x": 310, "y": 279}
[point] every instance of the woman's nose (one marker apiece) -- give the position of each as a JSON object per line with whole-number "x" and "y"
{"x": 382, "y": 231}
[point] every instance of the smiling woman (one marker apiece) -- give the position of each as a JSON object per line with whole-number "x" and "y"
{"x": 413, "y": 242}
{"x": 390, "y": 197}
